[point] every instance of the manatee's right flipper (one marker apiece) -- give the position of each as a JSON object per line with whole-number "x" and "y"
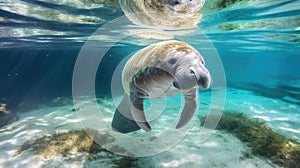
{"x": 189, "y": 108}
{"x": 123, "y": 121}
{"x": 137, "y": 110}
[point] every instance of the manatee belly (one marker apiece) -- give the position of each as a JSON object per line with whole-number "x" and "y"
{"x": 153, "y": 83}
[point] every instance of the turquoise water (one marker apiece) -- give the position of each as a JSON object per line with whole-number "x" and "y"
{"x": 257, "y": 43}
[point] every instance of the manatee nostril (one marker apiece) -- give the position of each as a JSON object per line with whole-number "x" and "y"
{"x": 202, "y": 80}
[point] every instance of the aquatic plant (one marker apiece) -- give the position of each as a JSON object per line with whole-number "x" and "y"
{"x": 72, "y": 142}
{"x": 261, "y": 139}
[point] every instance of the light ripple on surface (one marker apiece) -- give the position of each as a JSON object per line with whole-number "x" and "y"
{"x": 252, "y": 23}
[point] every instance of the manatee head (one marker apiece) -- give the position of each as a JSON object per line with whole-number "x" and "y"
{"x": 190, "y": 72}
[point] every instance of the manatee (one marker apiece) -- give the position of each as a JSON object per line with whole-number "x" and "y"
{"x": 167, "y": 68}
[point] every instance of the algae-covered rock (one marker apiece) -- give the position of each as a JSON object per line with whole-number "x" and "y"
{"x": 63, "y": 144}
{"x": 3, "y": 108}
{"x": 6, "y": 116}
{"x": 261, "y": 139}
{"x": 59, "y": 144}
{"x": 75, "y": 142}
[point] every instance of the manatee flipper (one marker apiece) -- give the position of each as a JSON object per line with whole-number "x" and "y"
{"x": 137, "y": 110}
{"x": 123, "y": 121}
{"x": 190, "y": 105}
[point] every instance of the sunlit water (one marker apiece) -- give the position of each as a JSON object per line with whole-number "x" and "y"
{"x": 258, "y": 43}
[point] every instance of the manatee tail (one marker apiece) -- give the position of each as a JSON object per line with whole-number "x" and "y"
{"x": 123, "y": 121}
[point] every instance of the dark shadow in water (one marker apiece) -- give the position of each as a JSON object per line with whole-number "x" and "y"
{"x": 35, "y": 76}
{"x": 286, "y": 93}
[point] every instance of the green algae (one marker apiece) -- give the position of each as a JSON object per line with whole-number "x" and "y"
{"x": 262, "y": 140}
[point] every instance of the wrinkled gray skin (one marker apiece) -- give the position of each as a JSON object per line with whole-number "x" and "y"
{"x": 161, "y": 70}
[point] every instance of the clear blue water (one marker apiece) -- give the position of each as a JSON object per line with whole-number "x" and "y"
{"x": 258, "y": 43}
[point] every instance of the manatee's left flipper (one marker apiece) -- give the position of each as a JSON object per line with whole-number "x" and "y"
{"x": 123, "y": 121}
{"x": 137, "y": 110}
{"x": 190, "y": 105}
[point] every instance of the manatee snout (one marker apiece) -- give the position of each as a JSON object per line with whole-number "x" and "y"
{"x": 203, "y": 79}
{"x": 193, "y": 77}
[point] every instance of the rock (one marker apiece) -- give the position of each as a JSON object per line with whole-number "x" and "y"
{"x": 6, "y": 116}
{"x": 3, "y": 108}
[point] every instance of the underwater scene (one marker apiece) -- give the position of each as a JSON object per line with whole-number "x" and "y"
{"x": 150, "y": 83}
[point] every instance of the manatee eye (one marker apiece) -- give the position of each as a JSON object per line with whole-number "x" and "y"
{"x": 172, "y": 61}
{"x": 192, "y": 72}
{"x": 202, "y": 62}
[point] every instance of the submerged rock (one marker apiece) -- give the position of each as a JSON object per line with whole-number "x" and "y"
{"x": 61, "y": 144}
{"x": 3, "y": 108}
{"x": 76, "y": 142}
{"x": 6, "y": 116}
{"x": 261, "y": 139}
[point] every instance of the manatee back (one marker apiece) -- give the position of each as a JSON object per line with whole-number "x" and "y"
{"x": 139, "y": 61}
{"x": 151, "y": 56}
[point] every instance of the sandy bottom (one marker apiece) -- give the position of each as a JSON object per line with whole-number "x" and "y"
{"x": 221, "y": 149}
